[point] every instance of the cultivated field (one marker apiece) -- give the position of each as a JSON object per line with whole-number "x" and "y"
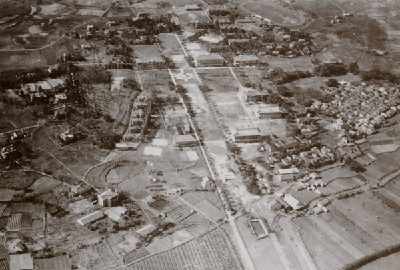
{"x": 277, "y": 14}
{"x": 353, "y": 228}
{"x": 213, "y": 250}
{"x": 318, "y": 8}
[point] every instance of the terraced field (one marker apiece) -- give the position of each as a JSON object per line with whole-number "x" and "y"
{"x": 212, "y": 251}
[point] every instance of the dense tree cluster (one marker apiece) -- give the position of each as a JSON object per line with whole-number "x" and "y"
{"x": 106, "y": 138}
{"x": 278, "y": 76}
{"x": 305, "y": 97}
{"x": 94, "y": 74}
{"x": 379, "y": 75}
{"x": 330, "y": 69}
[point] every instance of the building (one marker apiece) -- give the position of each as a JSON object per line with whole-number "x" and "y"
{"x": 108, "y": 198}
{"x": 92, "y": 217}
{"x": 286, "y": 174}
{"x": 81, "y": 190}
{"x": 213, "y": 60}
{"x": 294, "y": 203}
{"x": 246, "y": 135}
{"x": 127, "y": 146}
{"x": 246, "y": 60}
{"x": 158, "y": 63}
{"x": 192, "y": 7}
{"x": 185, "y": 141}
{"x": 255, "y": 96}
{"x": 270, "y": 112}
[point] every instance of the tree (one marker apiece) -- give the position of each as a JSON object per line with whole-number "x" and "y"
{"x": 332, "y": 83}
{"x": 354, "y": 68}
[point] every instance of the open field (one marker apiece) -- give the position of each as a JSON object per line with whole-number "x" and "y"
{"x": 213, "y": 250}
{"x": 277, "y": 14}
{"x": 353, "y": 228}
{"x": 318, "y": 8}
{"x": 263, "y": 252}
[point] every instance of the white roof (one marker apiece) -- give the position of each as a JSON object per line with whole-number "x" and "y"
{"x": 270, "y": 109}
{"x": 90, "y": 218}
{"x": 288, "y": 171}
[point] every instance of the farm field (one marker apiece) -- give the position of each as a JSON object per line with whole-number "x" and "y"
{"x": 353, "y": 228}
{"x": 213, "y": 250}
{"x": 301, "y": 63}
{"x": 390, "y": 262}
{"x": 277, "y": 14}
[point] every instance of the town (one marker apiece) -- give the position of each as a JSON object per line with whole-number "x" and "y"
{"x": 199, "y": 135}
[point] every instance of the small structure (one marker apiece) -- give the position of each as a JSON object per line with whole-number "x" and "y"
{"x": 214, "y": 60}
{"x": 108, "y": 198}
{"x": 204, "y": 181}
{"x": 270, "y": 112}
{"x": 185, "y": 141}
{"x": 90, "y": 218}
{"x": 246, "y": 135}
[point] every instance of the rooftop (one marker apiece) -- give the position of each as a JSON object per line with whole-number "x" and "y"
{"x": 247, "y": 131}
{"x": 185, "y": 138}
{"x": 209, "y": 57}
{"x": 269, "y": 109}
{"x": 90, "y": 218}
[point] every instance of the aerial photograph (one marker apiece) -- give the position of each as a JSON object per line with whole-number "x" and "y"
{"x": 200, "y": 134}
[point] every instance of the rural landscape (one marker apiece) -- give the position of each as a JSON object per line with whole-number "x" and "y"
{"x": 199, "y": 134}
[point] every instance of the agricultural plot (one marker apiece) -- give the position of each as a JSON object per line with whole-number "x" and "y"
{"x": 213, "y": 250}
{"x": 276, "y": 14}
{"x": 19, "y": 60}
{"x": 44, "y": 185}
{"x": 170, "y": 45}
{"x": 340, "y": 184}
{"x": 353, "y": 228}
{"x": 282, "y": 63}
{"x": 208, "y": 209}
{"x": 319, "y": 7}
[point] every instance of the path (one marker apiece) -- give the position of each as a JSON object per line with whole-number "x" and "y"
{"x": 241, "y": 88}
